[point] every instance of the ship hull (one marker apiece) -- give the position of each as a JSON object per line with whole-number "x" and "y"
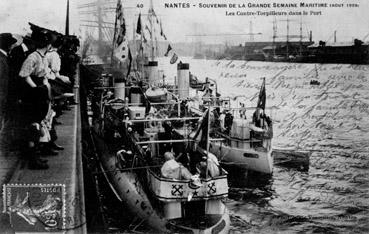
{"x": 127, "y": 186}
{"x": 247, "y": 158}
{"x": 129, "y": 189}
{"x": 220, "y": 226}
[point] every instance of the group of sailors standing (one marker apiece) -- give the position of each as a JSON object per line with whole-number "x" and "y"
{"x": 37, "y": 86}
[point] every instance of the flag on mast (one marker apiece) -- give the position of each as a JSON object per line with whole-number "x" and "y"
{"x": 148, "y": 29}
{"x": 174, "y": 58}
{"x": 138, "y": 30}
{"x": 161, "y": 31}
{"x": 168, "y": 49}
{"x": 130, "y": 62}
{"x": 262, "y": 96}
{"x": 144, "y": 38}
{"x": 154, "y": 14}
{"x": 121, "y": 42}
{"x": 201, "y": 134}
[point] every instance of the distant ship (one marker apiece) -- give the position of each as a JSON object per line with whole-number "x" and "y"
{"x": 353, "y": 53}
{"x": 306, "y": 51}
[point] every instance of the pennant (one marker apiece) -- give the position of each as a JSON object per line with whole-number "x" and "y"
{"x": 156, "y": 17}
{"x": 168, "y": 49}
{"x": 161, "y": 31}
{"x": 262, "y": 96}
{"x": 144, "y": 38}
{"x": 148, "y": 16}
{"x": 121, "y": 43}
{"x": 130, "y": 62}
{"x": 174, "y": 58}
{"x": 138, "y": 30}
{"x": 148, "y": 29}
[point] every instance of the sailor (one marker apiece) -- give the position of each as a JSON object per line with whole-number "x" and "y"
{"x": 242, "y": 111}
{"x": 209, "y": 166}
{"x": 174, "y": 170}
{"x": 222, "y": 120}
{"x": 228, "y": 121}
{"x": 167, "y": 135}
{"x": 36, "y": 101}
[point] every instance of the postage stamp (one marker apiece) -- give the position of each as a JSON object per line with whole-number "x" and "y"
{"x": 35, "y": 207}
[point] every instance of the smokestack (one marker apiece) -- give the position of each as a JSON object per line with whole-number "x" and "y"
{"x": 311, "y": 36}
{"x": 67, "y": 20}
{"x": 335, "y": 36}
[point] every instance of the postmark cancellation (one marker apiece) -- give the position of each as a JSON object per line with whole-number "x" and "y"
{"x": 35, "y": 207}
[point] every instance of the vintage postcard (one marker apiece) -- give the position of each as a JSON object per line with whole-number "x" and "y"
{"x": 192, "y": 116}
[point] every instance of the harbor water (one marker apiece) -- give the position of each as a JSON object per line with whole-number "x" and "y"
{"x": 329, "y": 120}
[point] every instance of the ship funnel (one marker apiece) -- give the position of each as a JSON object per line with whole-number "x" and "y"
{"x": 183, "y": 80}
{"x": 120, "y": 89}
{"x": 152, "y": 72}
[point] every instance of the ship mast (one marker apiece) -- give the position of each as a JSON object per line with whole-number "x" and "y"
{"x": 67, "y": 20}
{"x": 274, "y": 34}
{"x": 300, "y": 36}
{"x": 134, "y": 44}
{"x": 142, "y": 52}
{"x": 287, "y": 42}
{"x": 151, "y": 10}
{"x": 207, "y": 139}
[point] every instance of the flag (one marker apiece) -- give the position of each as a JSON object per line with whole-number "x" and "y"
{"x": 148, "y": 29}
{"x": 168, "y": 49}
{"x": 202, "y": 131}
{"x": 122, "y": 33}
{"x": 121, "y": 52}
{"x": 174, "y": 58}
{"x": 130, "y": 62}
{"x": 121, "y": 42}
{"x": 156, "y": 17}
{"x": 138, "y": 30}
{"x": 262, "y": 96}
{"x": 161, "y": 31}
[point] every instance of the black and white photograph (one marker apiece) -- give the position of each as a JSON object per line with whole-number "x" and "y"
{"x": 191, "y": 116}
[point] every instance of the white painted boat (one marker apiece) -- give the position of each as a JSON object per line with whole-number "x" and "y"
{"x": 239, "y": 148}
{"x": 255, "y": 159}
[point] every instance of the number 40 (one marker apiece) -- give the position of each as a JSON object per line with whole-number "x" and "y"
{"x": 140, "y": 5}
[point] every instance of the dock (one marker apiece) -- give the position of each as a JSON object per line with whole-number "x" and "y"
{"x": 64, "y": 169}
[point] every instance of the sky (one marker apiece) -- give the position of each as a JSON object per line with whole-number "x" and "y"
{"x": 15, "y": 15}
{"x": 179, "y": 23}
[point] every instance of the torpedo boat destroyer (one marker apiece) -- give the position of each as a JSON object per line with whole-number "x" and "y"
{"x": 133, "y": 134}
